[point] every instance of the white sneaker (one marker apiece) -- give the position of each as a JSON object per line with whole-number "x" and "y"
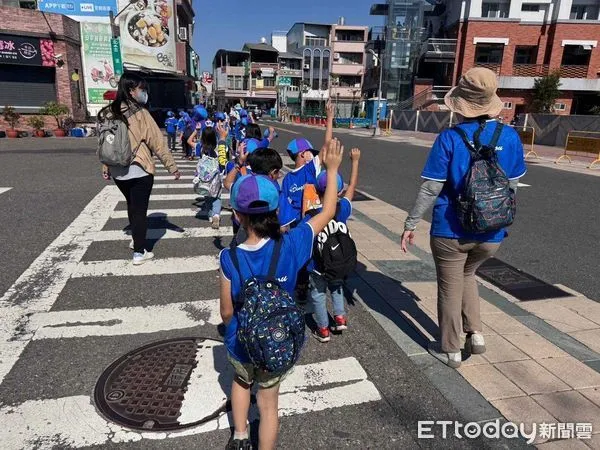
{"x": 450, "y": 359}
{"x": 475, "y": 344}
{"x": 141, "y": 258}
{"x": 216, "y": 222}
{"x": 131, "y": 245}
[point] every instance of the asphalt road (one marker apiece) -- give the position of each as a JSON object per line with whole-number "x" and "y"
{"x": 556, "y": 236}
{"x": 50, "y": 188}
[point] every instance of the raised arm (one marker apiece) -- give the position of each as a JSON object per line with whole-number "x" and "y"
{"x": 355, "y": 157}
{"x": 331, "y": 157}
{"x": 192, "y": 139}
{"x": 330, "y": 115}
{"x": 239, "y": 163}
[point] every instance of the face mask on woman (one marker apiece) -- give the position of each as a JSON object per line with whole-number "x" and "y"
{"x": 141, "y": 97}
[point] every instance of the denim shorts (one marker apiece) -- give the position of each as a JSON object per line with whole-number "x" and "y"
{"x": 249, "y": 374}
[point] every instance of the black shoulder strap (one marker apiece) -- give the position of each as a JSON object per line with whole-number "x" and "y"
{"x": 234, "y": 258}
{"x": 275, "y": 258}
{"x": 497, "y": 133}
{"x": 465, "y": 139}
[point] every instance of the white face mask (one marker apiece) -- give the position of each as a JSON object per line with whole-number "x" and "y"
{"x": 141, "y": 97}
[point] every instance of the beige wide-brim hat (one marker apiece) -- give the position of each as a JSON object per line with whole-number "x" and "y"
{"x": 475, "y": 94}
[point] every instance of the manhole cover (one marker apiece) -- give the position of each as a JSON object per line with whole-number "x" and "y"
{"x": 166, "y": 385}
{"x": 517, "y": 283}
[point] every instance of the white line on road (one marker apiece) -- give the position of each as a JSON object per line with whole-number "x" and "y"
{"x": 165, "y": 233}
{"x": 170, "y": 177}
{"x": 192, "y": 196}
{"x": 159, "y": 266}
{"x": 523, "y": 185}
{"x": 4, "y": 189}
{"x": 75, "y": 422}
{"x": 121, "y": 321}
{"x": 176, "y": 212}
{"x": 40, "y": 285}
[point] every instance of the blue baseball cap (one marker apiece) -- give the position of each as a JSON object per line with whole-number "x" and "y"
{"x": 322, "y": 182}
{"x": 219, "y": 116}
{"x": 299, "y": 145}
{"x": 200, "y": 111}
{"x": 252, "y": 145}
{"x": 254, "y": 194}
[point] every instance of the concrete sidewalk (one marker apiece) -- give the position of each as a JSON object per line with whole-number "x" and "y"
{"x": 546, "y": 155}
{"x": 542, "y": 363}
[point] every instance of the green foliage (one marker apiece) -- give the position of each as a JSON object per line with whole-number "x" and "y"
{"x": 11, "y": 116}
{"x": 56, "y": 110}
{"x": 545, "y": 92}
{"x": 36, "y": 122}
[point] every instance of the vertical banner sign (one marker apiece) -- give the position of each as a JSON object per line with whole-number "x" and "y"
{"x": 115, "y": 45}
{"x": 148, "y": 34}
{"x": 99, "y": 73}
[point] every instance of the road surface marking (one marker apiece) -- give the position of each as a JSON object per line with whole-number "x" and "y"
{"x": 74, "y": 421}
{"x": 175, "y": 186}
{"x": 40, "y": 284}
{"x": 122, "y": 321}
{"x": 4, "y": 189}
{"x": 176, "y": 212}
{"x": 192, "y": 196}
{"x": 165, "y": 233}
{"x": 523, "y": 185}
{"x": 158, "y": 266}
{"x": 170, "y": 177}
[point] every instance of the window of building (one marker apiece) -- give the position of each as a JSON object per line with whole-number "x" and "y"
{"x": 269, "y": 82}
{"x": 494, "y": 10}
{"x": 525, "y": 55}
{"x": 349, "y": 58}
{"x": 531, "y": 7}
{"x": 235, "y": 82}
{"x": 350, "y": 35}
{"x": 489, "y": 53}
{"x": 311, "y": 41}
{"x": 349, "y": 81}
{"x": 575, "y": 55}
{"x": 507, "y": 105}
{"x": 560, "y": 106}
{"x": 584, "y": 12}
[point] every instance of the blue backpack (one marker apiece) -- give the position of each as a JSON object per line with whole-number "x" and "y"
{"x": 487, "y": 202}
{"x": 271, "y": 327}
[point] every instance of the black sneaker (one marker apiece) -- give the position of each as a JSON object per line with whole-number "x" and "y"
{"x": 238, "y": 444}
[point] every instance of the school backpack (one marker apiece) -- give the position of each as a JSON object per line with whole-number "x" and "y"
{"x": 334, "y": 251}
{"x": 208, "y": 177}
{"x": 114, "y": 147}
{"x": 271, "y": 327}
{"x": 487, "y": 202}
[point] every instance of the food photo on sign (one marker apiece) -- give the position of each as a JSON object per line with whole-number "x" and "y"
{"x": 148, "y": 34}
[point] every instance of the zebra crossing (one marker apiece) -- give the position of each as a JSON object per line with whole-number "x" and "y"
{"x": 76, "y": 302}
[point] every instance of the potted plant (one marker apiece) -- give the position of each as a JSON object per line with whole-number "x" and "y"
{"x": 37, "y": 123}
{"x": 12, "y": 117}
{"x": 56, "y": 110}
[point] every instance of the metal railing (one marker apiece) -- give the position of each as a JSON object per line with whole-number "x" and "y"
{"x": 424, "y": 98}
{"x": 573, "y": 71}
{"x": 494, "y": 67}
{"x": 530, "y": 70}
{"x": 440, "y": 47}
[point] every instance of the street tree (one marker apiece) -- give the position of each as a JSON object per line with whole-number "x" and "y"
{"x": 545, "y": 92}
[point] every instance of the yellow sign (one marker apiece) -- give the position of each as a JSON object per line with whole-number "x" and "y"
{"x": 75, "y": 76}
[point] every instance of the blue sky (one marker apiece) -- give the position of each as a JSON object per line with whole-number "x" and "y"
{"x": 230, "y": 23}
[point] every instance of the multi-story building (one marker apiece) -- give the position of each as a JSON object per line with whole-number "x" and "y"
{"x": 231, "y": 75}
{"x": 520, "y": 40}
{"x": 264, "y": 64}
{"x": 347, "y": 66}
{"x": 312, "y": 41}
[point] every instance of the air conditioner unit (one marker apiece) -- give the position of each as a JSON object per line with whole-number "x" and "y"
{"x": 356, "y": 85}
{"x": 306, "y": 66}
{"x": 183, "y": 34}
{"x": 336, "y": 56}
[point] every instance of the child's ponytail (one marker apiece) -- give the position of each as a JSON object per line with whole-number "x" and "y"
{"x": 265, "y": 225}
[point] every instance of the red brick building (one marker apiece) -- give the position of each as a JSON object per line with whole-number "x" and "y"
{"x": 40, "y": 61}
{"x": 520, "y": 40}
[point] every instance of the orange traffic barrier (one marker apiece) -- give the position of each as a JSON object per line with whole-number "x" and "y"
{"x": 586, "y": 142}
{"x": 527, "y": 135}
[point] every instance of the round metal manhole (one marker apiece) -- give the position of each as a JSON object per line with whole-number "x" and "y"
{"x": 167, "y": 385}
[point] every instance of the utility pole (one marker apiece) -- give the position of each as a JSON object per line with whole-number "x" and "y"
{"x": 115, "y": 42}
{"x": 377, "y": 130}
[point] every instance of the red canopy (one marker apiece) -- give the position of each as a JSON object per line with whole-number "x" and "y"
{"x": 110, "y": 95}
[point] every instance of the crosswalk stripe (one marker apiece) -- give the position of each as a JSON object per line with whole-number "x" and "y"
{"x": 158, "y": 266}
{"x": 40, "y": 284}
{"x": 74, "y": 421}
{"x": 4, "y": 189}
{"x": 170, "y": 177}
{"x": 173, "y": 186}
{"x": 122, "y": 321}
{"x": 165, "y": 233}
{"x": 523, "y": 185}
{"x": 192, "y": 196}
{"x": 176, "y": 212}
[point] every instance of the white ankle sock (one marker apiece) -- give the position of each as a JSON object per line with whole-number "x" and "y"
{"x": 241, "y": 436}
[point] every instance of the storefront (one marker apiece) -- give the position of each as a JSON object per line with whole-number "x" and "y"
{"x": 39, "y": 62}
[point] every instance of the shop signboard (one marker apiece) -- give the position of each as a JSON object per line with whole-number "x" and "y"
{"x": 98, "y": 68}
{"x": 26, "y": 51}
{"x": 148, "y": 34}
{"x": 79, "y": 8}
{"x": 284, "y": 81}
{"x": 115, "y": 47}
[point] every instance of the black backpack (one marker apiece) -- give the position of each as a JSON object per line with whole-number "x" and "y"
{"x": 334, "y": 251}
{"x": 487, "y": 202}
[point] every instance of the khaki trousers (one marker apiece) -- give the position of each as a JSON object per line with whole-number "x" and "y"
{"x": 456, "y": 261}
